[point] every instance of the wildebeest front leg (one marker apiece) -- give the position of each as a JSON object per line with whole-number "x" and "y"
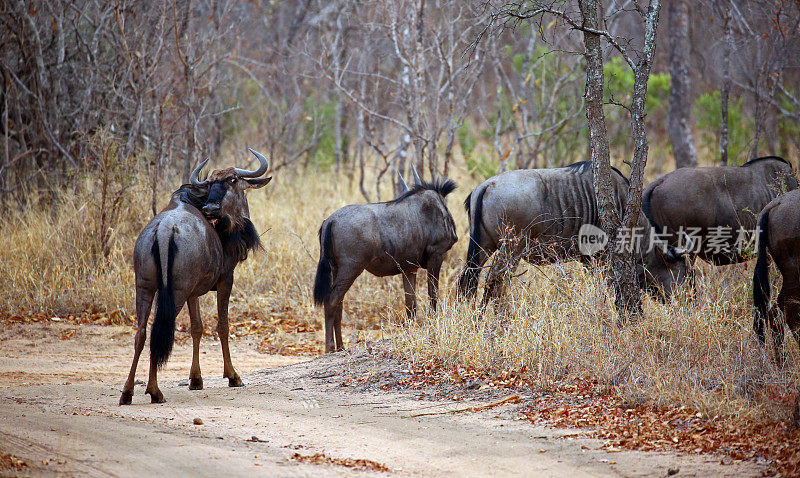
{"x": 144, "y": 300}
{"x": 410, "y": 293}
{"x": 434, "y": 267}
{"x": 195, "y": 377}
{"x": 224, "y": 287}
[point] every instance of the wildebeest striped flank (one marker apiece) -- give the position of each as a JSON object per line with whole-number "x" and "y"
{"x": 546, "y": 209}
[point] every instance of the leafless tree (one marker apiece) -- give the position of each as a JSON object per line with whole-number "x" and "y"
{"x": 680, "y": 134}
{"x": 367, "y": 87}
{"x": 428, "y": 69}
{"x": 724, "y": 7}
{"x": 590, "y": 20}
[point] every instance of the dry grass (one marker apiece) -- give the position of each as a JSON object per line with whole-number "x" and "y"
{"x": 558, "y": 322}
{"x": 51, "y": 265}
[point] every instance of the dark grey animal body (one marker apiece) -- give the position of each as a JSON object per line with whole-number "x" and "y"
{"x": 546, "y": 209}
{"x": 714, "y": 197}
{"x": 396, "y": 237}
{"x": 779, "y": 237}
{"x": 190, "y": 248}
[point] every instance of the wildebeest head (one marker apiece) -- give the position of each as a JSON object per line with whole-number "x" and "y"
{"x": 665, "y": 269}
{"x": 225, "y": 204}
{"x": 441, "y": 187}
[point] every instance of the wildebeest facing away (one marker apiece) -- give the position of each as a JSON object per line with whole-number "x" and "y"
{"x": 388, "y": 238}
{"x": 779, "y": 233}
{"x": 546, "y": 209}
{"x": 715, "y": 202}
{"x": 189, "y": 249}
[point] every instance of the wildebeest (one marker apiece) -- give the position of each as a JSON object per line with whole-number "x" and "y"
{"x": 715, "y": 201}
{"x": 189, "y": 249}
{"x": 396, "y": 237}
{"x": 779, "y": 233}
{"x": 546, "y": 209}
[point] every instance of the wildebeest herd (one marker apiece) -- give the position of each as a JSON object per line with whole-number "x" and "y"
{"x": 193, "y": 246}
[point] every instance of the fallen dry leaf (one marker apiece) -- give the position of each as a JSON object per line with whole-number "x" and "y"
{"x": 357, "y": 464}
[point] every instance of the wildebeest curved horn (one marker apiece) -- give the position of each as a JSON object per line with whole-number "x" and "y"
{"x": 689, "y": 243}
{"x": 262, "y": 168}
{"x": 193, "y": 176}
{"x": 416, "y": 174}
{"x": 403, "y": 182}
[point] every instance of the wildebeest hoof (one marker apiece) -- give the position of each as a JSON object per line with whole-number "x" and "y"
{"x": 196, "y": 383}
{"x": 235, "y": 381}
{"x": 156, "y": 397}
{"x": 126, "y": 398}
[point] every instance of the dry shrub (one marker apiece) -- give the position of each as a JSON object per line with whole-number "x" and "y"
{"x": 55, "y": 260}
{"x": 558, "y": 323}
{"x": 73, "y": 256}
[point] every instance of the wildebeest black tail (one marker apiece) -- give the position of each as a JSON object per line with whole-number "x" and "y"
{"x": 163, "y": 334}
{"x": 322, "y": 282}
{"x": 468, "y": 282}
{"x": 761, "y": 290}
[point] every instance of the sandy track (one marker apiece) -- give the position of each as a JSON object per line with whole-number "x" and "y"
{"x": 78, "y": 428}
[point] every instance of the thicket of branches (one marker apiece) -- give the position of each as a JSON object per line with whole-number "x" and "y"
{"x": 363, "y": 87}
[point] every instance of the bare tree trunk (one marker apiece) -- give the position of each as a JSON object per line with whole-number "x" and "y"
{"x": 338, "y": 55}
{"x": 763, "y": 95}
{"x": 768, "y": 122}
{"x": 726, "y": 83}
{"x": 628, "y": 296}
{"x": 598, "y": 133}
{"x": 6, "y": 153}
{"x": 419, "y": 86}
{"x": 623, "y": 260}
{"x": 757, "y": 117}
{"x": 180, "y": 35}
{"x": 680, "y": 134}
{"x": 399, "y": 162}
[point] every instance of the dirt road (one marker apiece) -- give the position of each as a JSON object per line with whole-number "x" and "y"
{"x": 59, "y": 415}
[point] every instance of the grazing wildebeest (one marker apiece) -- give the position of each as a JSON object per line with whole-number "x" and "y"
{"x": 779, "y": 233}
{"x": 189, "y": 249}
{"x": 710, "y": 200}
{"x": 546, "y": 209}
{"x": 388, "y": 238}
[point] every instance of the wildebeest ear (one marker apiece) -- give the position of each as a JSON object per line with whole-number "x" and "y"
{"x": 258, "y": 182}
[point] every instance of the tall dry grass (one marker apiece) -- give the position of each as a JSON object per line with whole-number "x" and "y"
{"x": 51, "y": 262}
{"x": 558, "y": 320}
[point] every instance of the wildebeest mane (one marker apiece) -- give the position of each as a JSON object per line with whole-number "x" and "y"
{"x": 582, "y": 166}
{"x": 441, "y": 186}
{"x": 755, "y": 160}
{"x": 241, "y": 240}
{"x": 196, "y": 196}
